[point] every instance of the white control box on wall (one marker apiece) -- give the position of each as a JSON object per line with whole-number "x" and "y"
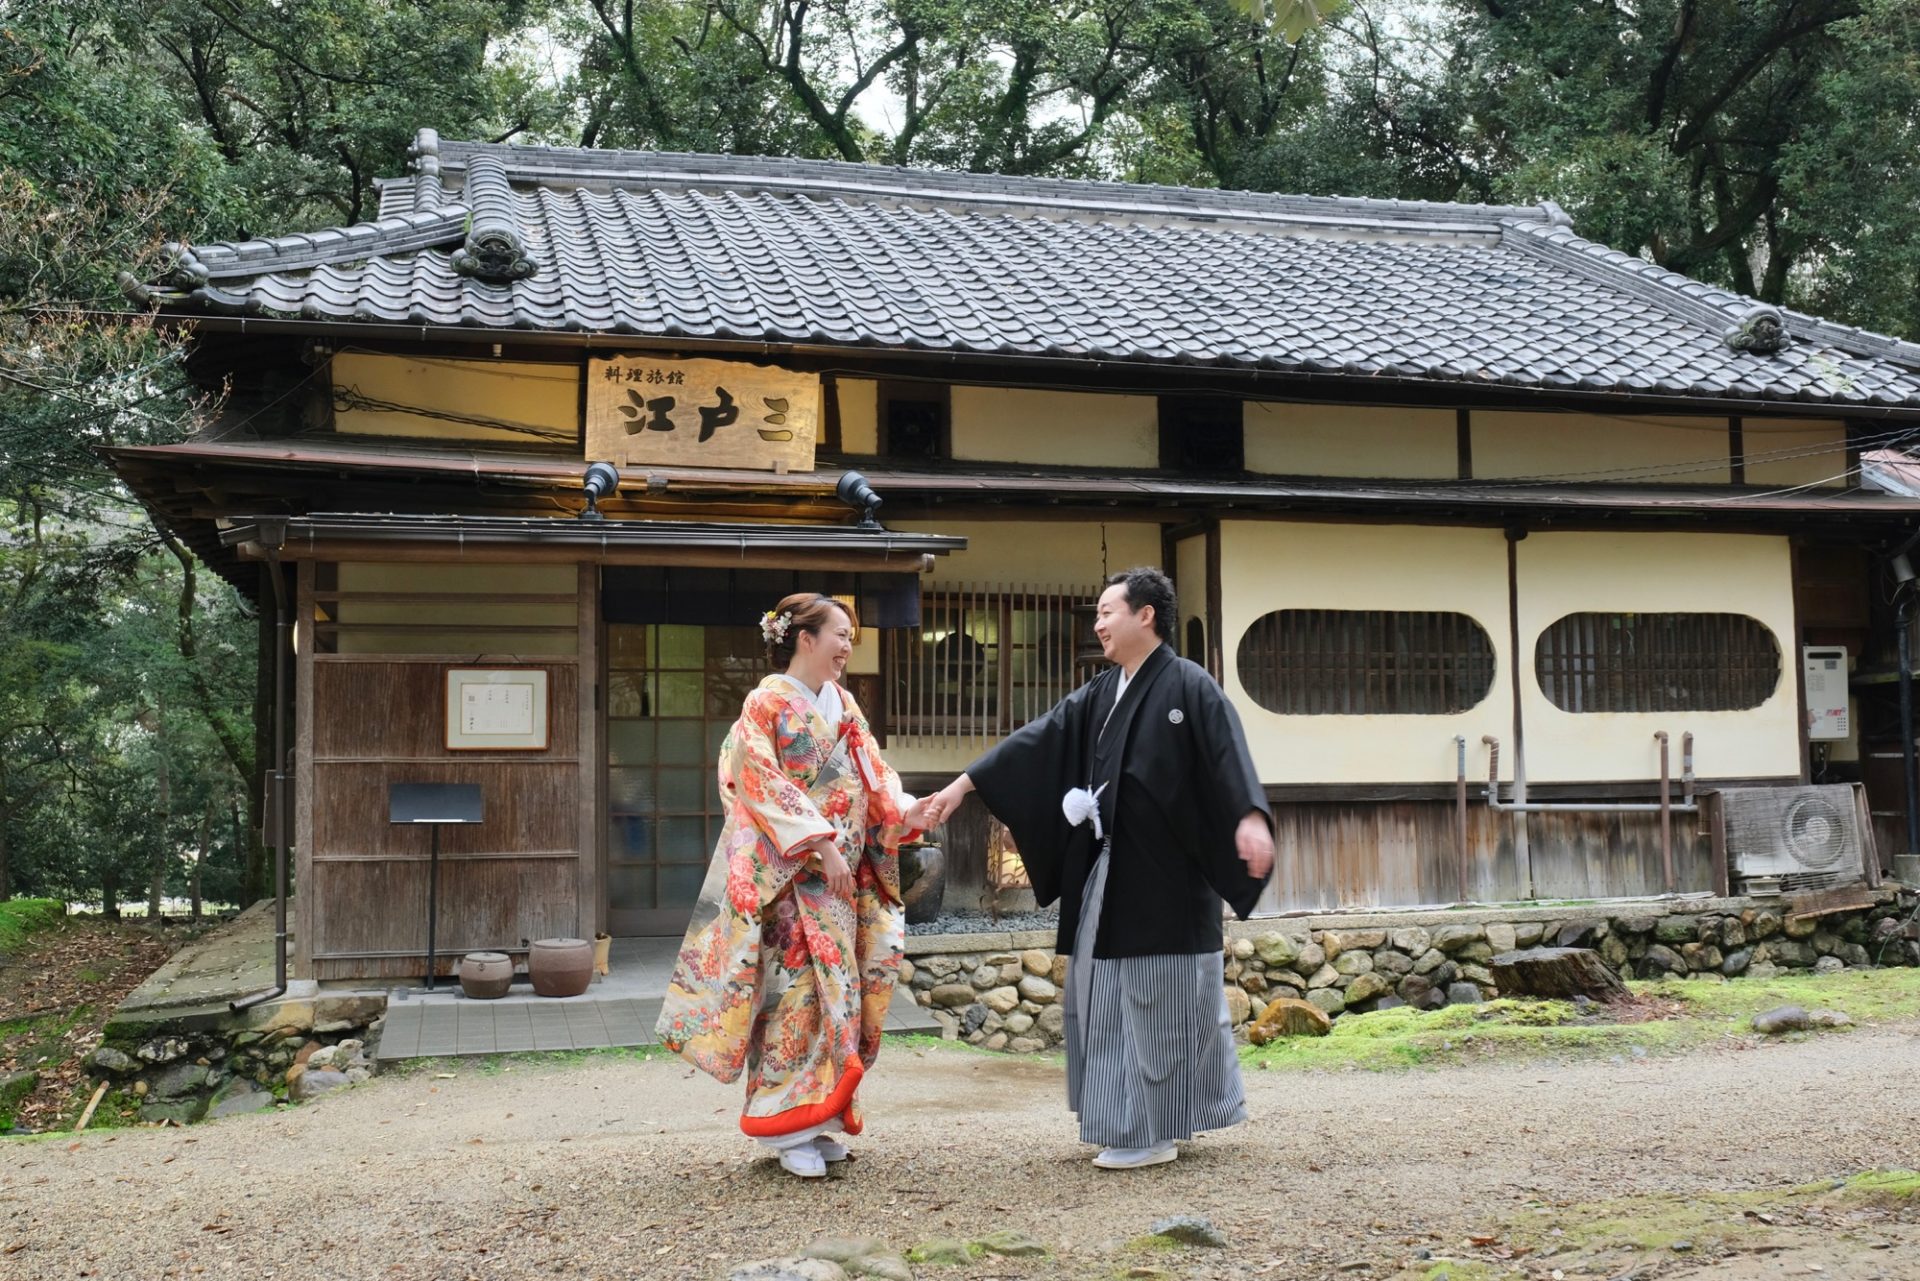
{"x": 1826, "y": 681}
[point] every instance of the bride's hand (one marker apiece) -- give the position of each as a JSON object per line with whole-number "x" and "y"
{"x": 833, "y": 865}
{"x": 919, "y": 816}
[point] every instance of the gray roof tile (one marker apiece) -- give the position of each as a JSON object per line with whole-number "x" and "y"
{"x": 821, "y": 252}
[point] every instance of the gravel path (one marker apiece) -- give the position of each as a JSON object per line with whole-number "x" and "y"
{"x": 617, "y": 1168}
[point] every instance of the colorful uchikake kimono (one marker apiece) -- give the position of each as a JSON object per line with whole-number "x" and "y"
{"x": 776, "y": 976}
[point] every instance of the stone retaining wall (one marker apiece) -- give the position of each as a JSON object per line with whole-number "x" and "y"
{"x": 183, "y": 1066}
{"x": 1002, "y": 991}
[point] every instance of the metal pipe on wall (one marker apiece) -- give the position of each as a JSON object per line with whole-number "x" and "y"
{"x": 1565, "y": 807}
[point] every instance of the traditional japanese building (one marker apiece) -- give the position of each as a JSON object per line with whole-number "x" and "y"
{"x": 1446, "y": 490}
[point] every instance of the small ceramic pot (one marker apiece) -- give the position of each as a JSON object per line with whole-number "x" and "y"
{"x": 923, "y": 882}
{"x": 486, "y": 975}
{"x": 560, "y": 967}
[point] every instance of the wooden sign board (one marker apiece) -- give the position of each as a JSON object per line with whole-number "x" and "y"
{"x": 701, "y": 413}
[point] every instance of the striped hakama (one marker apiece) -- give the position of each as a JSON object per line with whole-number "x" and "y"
{"x": 1150, "y": 1053}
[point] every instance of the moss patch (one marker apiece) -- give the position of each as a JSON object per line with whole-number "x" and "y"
{"x": 1691, "y": 1013}
{"x": 20, "y": 917}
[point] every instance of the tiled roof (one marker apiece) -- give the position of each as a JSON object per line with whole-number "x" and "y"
{"x": 820, "y": 252}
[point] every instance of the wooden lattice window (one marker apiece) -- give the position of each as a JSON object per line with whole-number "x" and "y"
{"x": 1657, "y": 663}
{"x": 1366, "y": 662}
{"x": 984, "y": 661}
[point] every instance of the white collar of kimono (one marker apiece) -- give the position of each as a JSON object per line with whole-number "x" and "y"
{"x": 1126, "y": 677}
{"x": 827, "y": 701}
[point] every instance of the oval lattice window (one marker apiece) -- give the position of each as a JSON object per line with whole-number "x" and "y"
{"x": 1366, "y": 662}
{"x": 1657, "y": 663}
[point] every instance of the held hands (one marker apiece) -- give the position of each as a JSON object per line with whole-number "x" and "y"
{"x": 915, "y": 817}
{"x": 1255, "y": 844}
{"x": 940, "y": 806}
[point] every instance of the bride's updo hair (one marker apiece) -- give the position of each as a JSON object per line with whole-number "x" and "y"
{"x": 807, "y": 612}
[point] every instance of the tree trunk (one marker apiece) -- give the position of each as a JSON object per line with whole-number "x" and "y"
{"x": 200, "y": 856}
{"x": 157, "y": 884}
{"x": 1562, "y": 972}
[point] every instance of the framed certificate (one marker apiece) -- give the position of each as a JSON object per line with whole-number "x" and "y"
{"x": 497, "y": 709}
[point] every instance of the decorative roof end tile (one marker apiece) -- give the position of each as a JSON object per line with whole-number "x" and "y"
{"x": 1762, "y": 331}
{"x": 183, "y": 270}
{"x": 494, "y": 250}
{"x": 424, "y": 158}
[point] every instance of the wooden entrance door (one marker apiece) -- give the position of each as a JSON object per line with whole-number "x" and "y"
{"x": 673, "y": 692}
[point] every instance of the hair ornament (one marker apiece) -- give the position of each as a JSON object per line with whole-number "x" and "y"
{"x": 773, "y": 627}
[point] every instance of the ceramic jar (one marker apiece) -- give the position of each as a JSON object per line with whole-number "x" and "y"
{"x": 486, "y": 975}
{"x": 560, "y": 967}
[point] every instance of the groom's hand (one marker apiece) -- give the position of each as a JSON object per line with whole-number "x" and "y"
{"x": 1254, "y": 842}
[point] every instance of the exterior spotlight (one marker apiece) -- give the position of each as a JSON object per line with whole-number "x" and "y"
{"x": 855, "y": 492}
{"x": 601, "y": 479}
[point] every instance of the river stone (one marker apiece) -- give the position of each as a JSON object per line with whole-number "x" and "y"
{"x": 1528, "y": 933}
{"x": 985, "y": 978}
{"x": 861, "y": 1257}
{"x": 1479, "y": 952}
{"x": 1254, "y": 984}
{"x": 1613, "y": 950}
{"x": 1289, "y": 1017}
{"x": 1451, "y": 938}
{"x": 1333, "y": 943}
{"x": 1701, "y": 956}
{"x": 1325, "y": 976}
{"x": 1011, "y": 1244}
{"x": 1677, "y": 929}
{"x": 1826, "y": 942}
{"x": 164, "y": 1049}
{"x": 1463, "y": 994}
{"x": 1312, "y": 957}
{"x": 1035, "y": 988}
{"x": 1444, "y": 974}
{"x": 179, "y": 1111}
{"x": 1661, "y": 960}
{"x": 1429, "y": 961}
{"x": 1366, "y": 939}
{"x": 1059, "y": 975}
{"x": 108, "y": 1059}
{"x": 1241, "y": 949}
{"x": 1855, "y": 955}
{"x": 323, "y": 1057}
{"x": 1762, "y": 923}
{"x": 1190, "y": 1229}
{"x": 1413, "y": 940}
{"x": 942, "y": 1252}
{"x": 1501, "y": 938}
{"x": 1001, "y": 1000}
{"x": 953, "y": 995}
{"x": 1026, "y": 1045}
{"x": 312, "y": 1083}
{"x": 1329, "y": 1000}
{"x": 994, "y": 1040}
{"x": 1828, "y": 1018}
{"x": 1478, "y": 974}
{"x": 1414, "y": 988}
{"x": 1017, "y": 1023}
{"x": 1391, "y": 962}
{"x": 1801, "y": 927}
{"x": 1278, "y": 949}
{"x": 1829, "y": 965}
{"x": 1052, "y": 1021}
{"x": 942, "y": 966}
{"x": 178, "y": 1081}
{"x": 1790, "y": 953}
{"x": 237, "y": 1096}
{"x": 1366, "y": 987}
{"x": 1581, "y": 934}
{"x": 1036, "y": 961}
{"x": 791, "y": 1268}
{"x": 1785, "y": 1018}
{"x": 1736, "y": 963}
{"x": 1353, "y": 963}
{"x": 1239, "y": 1008}
{"x": 1733, "y": 933}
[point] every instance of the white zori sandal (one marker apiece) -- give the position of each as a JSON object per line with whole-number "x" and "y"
{"x": 829, "y": 1148}
{"x": 803, "y": 1160}
{"x": 1135, "y": 1158}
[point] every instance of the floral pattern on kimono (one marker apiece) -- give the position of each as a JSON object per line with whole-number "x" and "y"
{"x": 778, "y": 978}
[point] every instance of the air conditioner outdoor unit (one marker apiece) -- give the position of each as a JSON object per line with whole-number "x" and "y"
{"x": 1794, "y": 838}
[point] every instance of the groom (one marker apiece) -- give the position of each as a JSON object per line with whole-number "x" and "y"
{"x": 1135, "y": 803}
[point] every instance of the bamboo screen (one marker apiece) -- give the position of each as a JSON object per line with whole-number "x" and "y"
{"x": 1366, "y": 662}
{"x": 985, "y": 660}
{"x": 1657, "y": 663}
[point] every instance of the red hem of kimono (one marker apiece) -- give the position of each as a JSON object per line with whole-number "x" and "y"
{"x": 809, "y": 1115}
